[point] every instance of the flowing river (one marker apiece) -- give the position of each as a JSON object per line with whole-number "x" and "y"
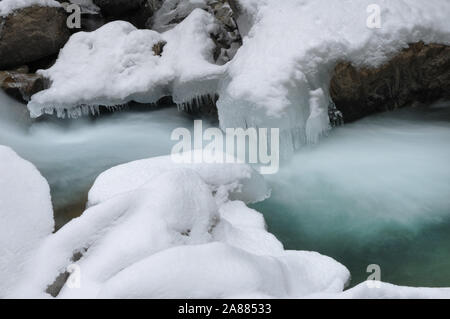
{"x": 373, "y": 192}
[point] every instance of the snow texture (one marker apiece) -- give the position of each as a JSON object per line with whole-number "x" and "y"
{"x": 175, "y": 232}
{"x": 116, "y": 64}
{"x": 292, "y": 47}
{"x": 26, "y": 216}
{"x": 155, "y": 229}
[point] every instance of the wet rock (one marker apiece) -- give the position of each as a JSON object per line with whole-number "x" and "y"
{"x": 21, "y": 85}
{"x": 31, "y": 34}
{"x": 418, "y": 74}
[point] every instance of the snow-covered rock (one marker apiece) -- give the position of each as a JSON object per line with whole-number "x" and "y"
{"x": 26, "y": 216}
{"x": 158, "y": 230}
{"x": 292, "y": 47}
{"x": 116, "y": 64}
{"x": 242, "y": 181}
{"x": 278, "y": 78}
{"x": 155, "y": 229}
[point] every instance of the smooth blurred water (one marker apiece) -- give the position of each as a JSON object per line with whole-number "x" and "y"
{"x": 72, "y": 153}
{"x": 373, "y": 192}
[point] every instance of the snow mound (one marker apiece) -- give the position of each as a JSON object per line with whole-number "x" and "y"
{"x": 26, "y": 216}
{"x": 9, "y": 6}
{"x": 160, "y": 230}
{"x": 241, "y": 180}
{"x": 117, "y": 64}
{"x": 177, "y": 233}
{"x": 280, "y": 76}
{"x": 381, "y": 290}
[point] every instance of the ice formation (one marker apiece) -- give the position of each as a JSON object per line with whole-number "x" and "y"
{"x": 292, "y": 46}
{"x": 26, "y": 216}
{"x": 117, "y": 63}
{"x": 8, "y": 6}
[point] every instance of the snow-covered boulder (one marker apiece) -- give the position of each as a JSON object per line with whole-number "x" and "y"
{"x": 155, "y": 229}
{"x": 292, "y": 47}
{"x": 116, "y": 64}
{"x": 26, "y": 216}
{"x": 279, "y": 78}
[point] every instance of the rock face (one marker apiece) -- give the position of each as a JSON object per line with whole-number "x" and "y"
{"x": 30, "y": 34}
{"x": 227, "y": 37}
{"x": 20, "y": 84}
{"x": 419, "y": 74}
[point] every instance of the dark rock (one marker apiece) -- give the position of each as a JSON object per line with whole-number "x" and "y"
{"x": 159, "y": 47}
{"x": 136, "y": 12}
{"x": 31, "y": 34}
{"x": 91, "y": 22}
{"x": 419, "y": 74}
{"x": 118, "y": 7}
{"x": 21, "y": 85}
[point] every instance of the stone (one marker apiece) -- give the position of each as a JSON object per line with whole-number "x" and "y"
{"x": 418, "y": 74}
{"x": 21, "y": 85}
{"x": 137, "y": 12}
{"x": 31, "y": 34}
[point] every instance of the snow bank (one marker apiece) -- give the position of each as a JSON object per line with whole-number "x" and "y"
{"x": 9, "y": 6}
{"x": 26, "y": 216}
{"x": 117, "y": 63}
{"x": 244, "y": 183}
{"x": 381, "y": 290}
{"x": 292, "y": 47}
{"x": 175, "y": 233}
{"x": 160, "y": 230}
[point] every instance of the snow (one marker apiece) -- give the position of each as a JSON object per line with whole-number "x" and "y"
{"x": 116, "y": 64}
{"x": 177, "y": 233}
{"x": 167, "y": 17}
{"x": 26, "y": 216}
{"x": 292, "y": 46}
{"x": 278, "y": 78}
{"x": 155, "y": 229}
{"x": 9, "y": 6}
{"x": 217, "y": 270}
{"x": 245, "y": 183}
{"x": 381, "y": 290}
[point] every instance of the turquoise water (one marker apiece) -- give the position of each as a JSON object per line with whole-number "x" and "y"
{"x": 70, "y": 154}
{"x": 373, "y": 192}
